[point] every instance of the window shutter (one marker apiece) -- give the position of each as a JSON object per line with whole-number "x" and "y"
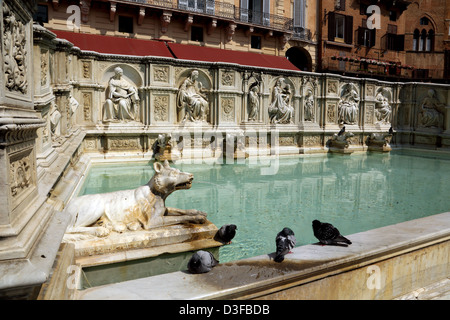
{"x": 348, "y": 29}
{"x": 244, "y": 10}
{"x": 360, "y": 35}
{"x": 299, "y": 14}
{"x": 266, "y": 12}
{"x": 400, "y": 42}
{"x": 331, "y": 26}
{"x": 373, "y": 37}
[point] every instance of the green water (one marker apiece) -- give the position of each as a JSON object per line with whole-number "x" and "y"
{"x": 354, "y": 192}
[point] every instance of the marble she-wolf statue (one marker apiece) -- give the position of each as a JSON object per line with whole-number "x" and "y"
{"x": 143, "y": 207}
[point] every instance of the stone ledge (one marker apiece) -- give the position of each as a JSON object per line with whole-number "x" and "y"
{"x": 260, "y": 276}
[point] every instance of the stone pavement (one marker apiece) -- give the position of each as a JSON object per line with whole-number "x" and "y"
{"x": 436, "y": 291}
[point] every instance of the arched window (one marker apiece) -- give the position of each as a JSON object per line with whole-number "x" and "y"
{"x": 430, "y": 41}
{"x": 416, "y": 40}
{"x": 422, "y": 40}
{"x": 424, "y": 21}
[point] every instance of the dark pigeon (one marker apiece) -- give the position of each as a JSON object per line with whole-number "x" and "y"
{"x": 285, "y": 241}
{"x": 391, "y": 131}
{"x": 342, "y": 131}
{"x": 201, "y": 262}
{"x": 226, "y": 233}
{"x": 328, "y": 234}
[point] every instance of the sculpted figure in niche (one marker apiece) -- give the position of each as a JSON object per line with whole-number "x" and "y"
{"x": 348, "y": 105}
{"x": 383, "y": 110}
{"x": 122, "y": 99}
{"x": 280, "y": 110}
{"x": 192, "y": 102}
{"x": 432, "y": 113}
{"x": 55, "y": 122}
{"x": 253, "y": 100}
{"x": 309, "y": 106}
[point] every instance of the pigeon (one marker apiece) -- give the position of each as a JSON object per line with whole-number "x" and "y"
{"x": 226, "y": 233}
{"x": 342, "y": 131}
{"x": 285, "y": 241}
{"x": 201, "y": 262}
{"x": 391, "y": 131}
{"x": 328, "y": 234}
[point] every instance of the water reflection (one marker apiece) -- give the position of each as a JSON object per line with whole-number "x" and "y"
{"x": 356, "y": 193}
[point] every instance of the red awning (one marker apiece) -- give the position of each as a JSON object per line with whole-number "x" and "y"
{"x": 140, "y": 47}
{"x": 115, "y": 45}
{"x": 197, "y": 53}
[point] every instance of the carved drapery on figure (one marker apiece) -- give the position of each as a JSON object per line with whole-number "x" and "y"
{"x": 122, "y": 99}
{"x": 432, "y": 111}
{"x": 383, "y": 110}
{"x": 309, "y": 106}
{"x": 55, "y": 122}
{"x": 348, "y": 106}
{"x": 192, "y": 103}
{"x": 280, "y": 110}
{"x": 15, "y": 53}
{"x": 253, "y": 101}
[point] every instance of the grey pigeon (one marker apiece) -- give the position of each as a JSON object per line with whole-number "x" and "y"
{"x": 285, "y": 241}
{"x": 226, "y": 233}
{"x": 328, "y": 234}
{"x": 201, "y": 262}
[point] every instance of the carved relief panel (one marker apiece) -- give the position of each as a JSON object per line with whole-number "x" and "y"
{"x": 161, "y": 108}
{"x": 161, "y": 74}
{"x": 227, "y": 107}
{"x": 15, "y": 49}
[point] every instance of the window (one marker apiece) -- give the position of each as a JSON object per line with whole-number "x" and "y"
{"x": 366, "y": 36}
{"x": 340, "y": 5}
{"x": 125, "y": 24}
{"x": 393, "y": 41}
{"x": 429, "y": 44}
{"x": 256, "y": 42}
{"x": 41, "y": 15}
{"x": 196, "y": 5}
{"x": 196, "y": 33}
{"x": 299, "y": 14}
{"x": 416, "y": 40}
{"x": 363, "y": 9}
{"x": 424, "y": 21}
{"x": 392, "y": 15}
{"x": 340, "y": 28}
